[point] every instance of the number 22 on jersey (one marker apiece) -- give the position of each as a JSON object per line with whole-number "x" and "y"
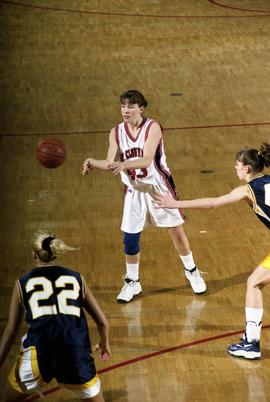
{"x": 47, "y": 290}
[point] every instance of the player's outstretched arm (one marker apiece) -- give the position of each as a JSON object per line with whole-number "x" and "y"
{"x": 92, "y": 307}
{"x": 237, "y": 194}
{"x": 11, "y": 330}
{"x": 102, "y": 164}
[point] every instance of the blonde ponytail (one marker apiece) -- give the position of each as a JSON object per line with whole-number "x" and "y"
{"x": 47, "y": 246}
{"x": 58, "y": 246}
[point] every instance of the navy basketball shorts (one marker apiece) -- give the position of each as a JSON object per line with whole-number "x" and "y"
{"x": 72, "y": 367}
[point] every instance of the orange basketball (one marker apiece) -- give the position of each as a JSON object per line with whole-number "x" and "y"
{"x": 51, "y": 153}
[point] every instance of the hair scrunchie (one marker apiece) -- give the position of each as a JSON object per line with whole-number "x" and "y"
{"x": 46, "y": 244}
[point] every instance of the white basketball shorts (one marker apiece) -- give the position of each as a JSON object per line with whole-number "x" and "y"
{"x": 140, "y": 212}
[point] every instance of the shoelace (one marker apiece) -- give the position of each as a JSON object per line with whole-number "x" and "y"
{"x": 126, "y": 284}
{"x": 201, "y": 273}
{"x": 198, "y": 273}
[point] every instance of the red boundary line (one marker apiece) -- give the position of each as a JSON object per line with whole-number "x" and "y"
{"x": 164, "y": 129}
{"x": 16, "y": 3}
{"x": 154, "y": 354}
{"x": 237, "y": 8}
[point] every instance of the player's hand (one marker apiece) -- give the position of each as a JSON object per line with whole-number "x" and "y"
{"x": 164, "y": 201}
{"x": 87, "y": 166}
{"x": 105, "y": 351}
{"x": 116, "y": 167}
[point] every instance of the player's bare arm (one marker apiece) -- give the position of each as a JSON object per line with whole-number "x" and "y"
{"x": 14, "y": 321}
{"x": 92, "y": 307}
{"x": 237, "y": 194}
{"x": 151, "y": 144}
{"x": 102, "y": 164}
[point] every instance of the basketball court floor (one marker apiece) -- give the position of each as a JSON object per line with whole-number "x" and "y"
{"x": 204, "y": 67}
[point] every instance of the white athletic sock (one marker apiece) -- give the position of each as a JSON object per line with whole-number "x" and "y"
{"x": 132, "y": 271}
{"x": 188, "y": 261}
{"x": 253, "y": 323}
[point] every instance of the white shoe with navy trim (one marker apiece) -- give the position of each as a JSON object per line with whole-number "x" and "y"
{"x": 248, "y": 350}
{"x": 196, "y": 280}
{"x": 129, "y": 290}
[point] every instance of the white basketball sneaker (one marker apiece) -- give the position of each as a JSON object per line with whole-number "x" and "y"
{"x": 196, "y": 280}
{"x": 248, "y": 350}
{"x": 129, "y": 290}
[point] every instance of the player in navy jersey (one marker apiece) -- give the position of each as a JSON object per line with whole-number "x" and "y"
{"x": 249, "y": 167}
{"x": 57, "y": 343}
{"x": 139, "y": 143}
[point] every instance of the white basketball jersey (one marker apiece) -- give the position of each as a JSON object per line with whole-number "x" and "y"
{"x": 130, "y": 148}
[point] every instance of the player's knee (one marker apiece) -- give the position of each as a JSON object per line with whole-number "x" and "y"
{"x": 253, "y": 282}
{"x": 178, "y": 234}
{"x": 132, "y": 243}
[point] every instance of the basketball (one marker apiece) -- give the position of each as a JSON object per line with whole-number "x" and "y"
{"x": 51, "y": 153}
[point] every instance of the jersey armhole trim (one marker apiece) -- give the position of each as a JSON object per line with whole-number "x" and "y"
{"x": 151, "y": 122}
{"x": 19, "y": 290}
{"x": 83, "y": 286}
{"x": 254, "y": 203}
{"x": 116, "y": 134}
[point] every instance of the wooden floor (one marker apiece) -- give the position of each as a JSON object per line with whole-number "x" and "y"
{"x": 204, "y": 67}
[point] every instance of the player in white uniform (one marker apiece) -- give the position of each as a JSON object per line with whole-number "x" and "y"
{"x": 143, "y": 169}
{"x": 139, "y": 210}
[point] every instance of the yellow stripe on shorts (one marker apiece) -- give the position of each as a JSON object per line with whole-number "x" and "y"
{"x": 266, "y": 262}
{"x": 14, "y": 378}
{"x": 19, "y": 377}
{"x": 81, "y": 387}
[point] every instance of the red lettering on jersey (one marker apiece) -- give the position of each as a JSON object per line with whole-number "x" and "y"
{"x": 134, "y": 153}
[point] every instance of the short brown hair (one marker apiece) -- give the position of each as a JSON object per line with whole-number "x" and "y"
{"x": 133, "y": 96}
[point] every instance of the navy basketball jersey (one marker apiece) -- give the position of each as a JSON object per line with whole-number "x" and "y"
{"x": 53, "y": 300}
{"x": 260, "y": 191}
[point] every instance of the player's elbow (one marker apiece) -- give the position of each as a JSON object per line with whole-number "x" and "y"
{"x": 108, "y": 163}
{"x": 147, "y": 161}
{"x": 213, "y": 204}
{"x": 10, "y": 331}
{"x": 207, "y": 204}
{"x": 103, "y": 322}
